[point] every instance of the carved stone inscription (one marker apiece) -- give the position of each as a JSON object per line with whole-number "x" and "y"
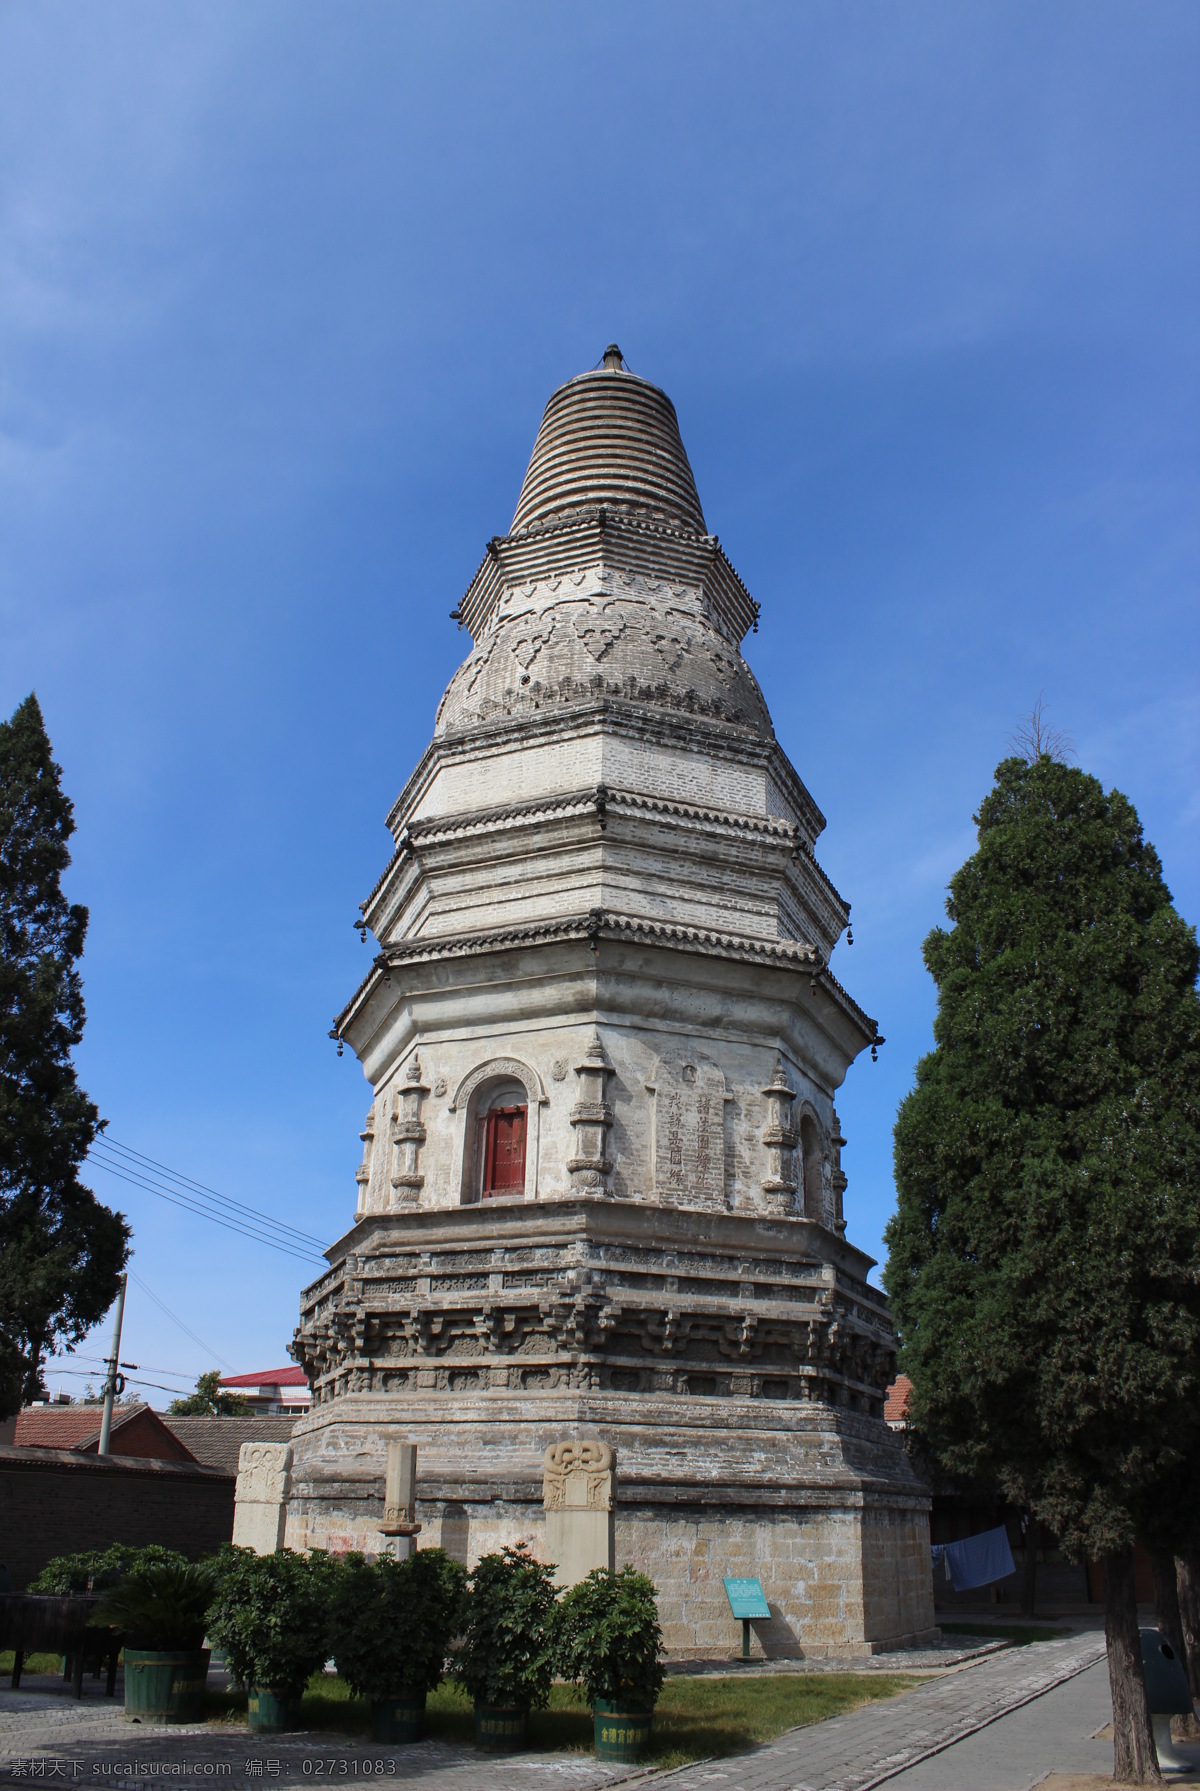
{"x": 578, "y": 1475}
{"x": 578, "y": 1493}
{"x": 689, "y": 1130}
{"x": 260, "y": 1498}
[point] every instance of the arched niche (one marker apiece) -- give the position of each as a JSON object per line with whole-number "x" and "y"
{"x": 472, "y": 1098}
{"x": 812, "y": 1167}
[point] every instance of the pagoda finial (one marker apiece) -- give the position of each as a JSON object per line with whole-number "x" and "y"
{"x": 614, "y": 360}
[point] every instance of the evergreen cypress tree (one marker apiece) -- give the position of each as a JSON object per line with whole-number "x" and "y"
{"x": 61, "y": 1251}
{"x": 1044, "y": 1259}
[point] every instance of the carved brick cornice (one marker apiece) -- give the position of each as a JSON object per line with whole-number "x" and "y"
{"x": 644, "y": 725}
{"x": 596, "y": 925}
{"x": 590, "y": 535}
{"x": 645, "y": 1319}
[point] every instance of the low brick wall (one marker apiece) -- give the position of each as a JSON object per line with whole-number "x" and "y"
{"x": 56, "y": 1502}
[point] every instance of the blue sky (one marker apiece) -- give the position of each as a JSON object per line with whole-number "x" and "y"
{"x": 283, "y": 290}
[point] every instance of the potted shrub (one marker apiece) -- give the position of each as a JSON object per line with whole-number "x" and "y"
{"x": 611, "y": 1644}
{"x": 161, "y": 1609}
{"x": 271, "y": 1620}
{"x": 390, "y": 1627}
{"x": 507, "y": 1654}
{"x": 100, "y": 1567}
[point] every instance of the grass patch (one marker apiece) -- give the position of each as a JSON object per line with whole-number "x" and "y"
{"x": 1019, "y": 1635}
{"x": 33, "y": 1663}
{"x": 698, "y": 1717}
{"x": 695, "y": 1717}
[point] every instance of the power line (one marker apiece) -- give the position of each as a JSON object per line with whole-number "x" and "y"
{"x": 163, "y": 1307}
{"x": 130, "y": 1381}
{"x": 176, "y": 1198}
{"x": 201, "y": 1188}
{"x": 59, "y": 1366}
{"x": 188, "y": 1207}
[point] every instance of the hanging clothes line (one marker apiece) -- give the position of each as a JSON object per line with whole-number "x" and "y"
{"x": 976, "y": 1560}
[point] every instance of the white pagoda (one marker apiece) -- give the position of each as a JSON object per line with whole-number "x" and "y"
{"x": 601, "y": 1193}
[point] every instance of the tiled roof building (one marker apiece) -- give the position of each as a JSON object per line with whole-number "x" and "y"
{"x": 136, "y": 1430}
{"x": 895, "y": 1404}
{"x": 217, "y": 1442}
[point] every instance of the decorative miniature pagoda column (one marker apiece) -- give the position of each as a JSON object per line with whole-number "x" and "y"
{"x": 362, "y": 1174}
{"x": 408, "y": 1133}
{"x": 591, "y": 1117}
{"x": 839, "y": 1176}
{"x": 780, "y": 1137}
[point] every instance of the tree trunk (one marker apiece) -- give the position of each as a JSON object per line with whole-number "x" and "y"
{"x": 1029, "y": 1571}
{"x": 1187, "y": 1582}
{"x": 1135, "y": 1761}
{"x": 1166, "y": 1603}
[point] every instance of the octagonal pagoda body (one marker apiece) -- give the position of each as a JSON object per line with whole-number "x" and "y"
{"x": 601, "y": 1191}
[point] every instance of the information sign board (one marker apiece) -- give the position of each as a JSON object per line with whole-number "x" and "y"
{"x": 746, "y": 1599}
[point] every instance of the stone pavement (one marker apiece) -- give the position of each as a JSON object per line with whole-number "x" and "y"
{"x": 952, "y": 1652}
{"x": 44, "y": 1735}
{"x": 92, "y": 1745}
{"x": 1057, "y": 1730}
{"x": 878, "y": 1743}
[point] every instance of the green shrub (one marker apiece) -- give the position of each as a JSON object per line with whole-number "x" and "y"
{"x": 609, "y": 1638}
{"x": 271, "y": 1617}
{"x": 391, "y": 1621}
{"x": 507, "y": 1654}
{"x": 161, "y": 1606}
{"x": 102, "y": 1566}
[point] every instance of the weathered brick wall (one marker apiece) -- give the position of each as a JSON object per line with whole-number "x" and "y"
{"x": 55, "y": 1502}
{"x": 840, "y": 1580}
{"x": 897, "y": 1572}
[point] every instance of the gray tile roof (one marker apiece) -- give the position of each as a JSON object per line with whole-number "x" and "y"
{"x": 216, "y": 1442}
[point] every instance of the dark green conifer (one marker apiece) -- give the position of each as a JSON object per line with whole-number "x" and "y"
{"x": 1044, "y": 1260}
{"x": 61, "y": 1251}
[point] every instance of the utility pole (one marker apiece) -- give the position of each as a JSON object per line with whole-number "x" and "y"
{"x": 111, "y": 1389}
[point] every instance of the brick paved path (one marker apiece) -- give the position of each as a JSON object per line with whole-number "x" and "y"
{"x": 51, "y": 1737}
{"x": 876, "y": 1742}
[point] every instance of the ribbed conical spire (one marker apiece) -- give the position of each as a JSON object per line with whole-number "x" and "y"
{"x": 609, "y": 438}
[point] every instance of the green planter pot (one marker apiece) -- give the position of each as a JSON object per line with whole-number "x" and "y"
{"x": 621, "y": 1733}
{"x": 398, "y": 1719}
{"x": 501, "y": 1728}
{"x": 165, "y": 1685}
{"x": 269, "y": 1714}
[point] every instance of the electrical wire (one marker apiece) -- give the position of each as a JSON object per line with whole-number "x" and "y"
{"x": 57, "y": 1364}
{"x": 130, "y": 1381}
{"x": 176, "y": 1198}
{"x": 201, "y": 1188}
{"x": 261, "y": 1228}
{"x": 176, "y": 1320}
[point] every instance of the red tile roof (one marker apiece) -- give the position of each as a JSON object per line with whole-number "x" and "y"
{"x": 895, "y": 1404}
{"x": 294, "y": 1376}
{"x": 62, "y": 1427}
{"x": 136, "y": 1430}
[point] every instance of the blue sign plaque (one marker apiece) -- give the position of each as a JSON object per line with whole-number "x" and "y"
{"x": 747, "y": 1599}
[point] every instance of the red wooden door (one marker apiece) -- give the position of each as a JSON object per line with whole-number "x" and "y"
{"x": 504, "y": 1152}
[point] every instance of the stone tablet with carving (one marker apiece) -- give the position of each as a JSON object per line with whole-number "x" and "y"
{"x": 689, "y": 1131}
{"x": 578, "y": 1476}
{"x": 260, "y": 1502}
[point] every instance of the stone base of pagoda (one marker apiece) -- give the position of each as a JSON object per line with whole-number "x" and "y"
{"x": 843, "y": 1557}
